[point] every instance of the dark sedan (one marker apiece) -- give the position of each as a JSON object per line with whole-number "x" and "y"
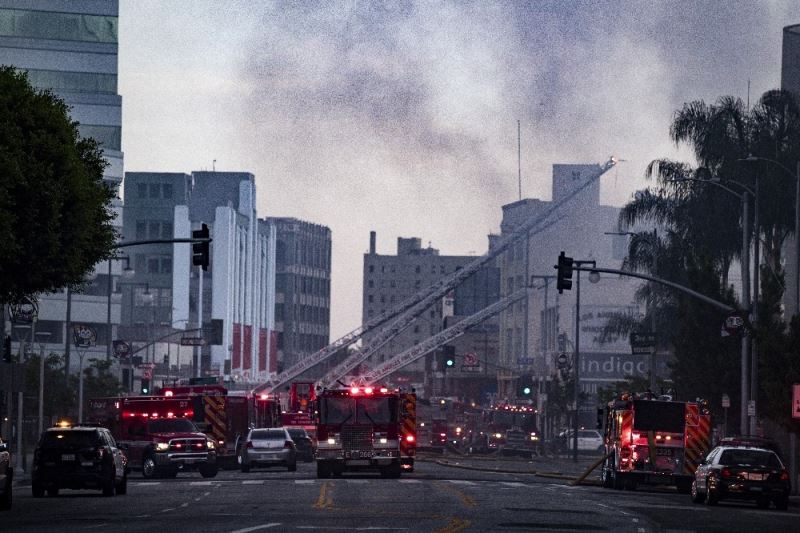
{"x": 304, "y": 443}
{"x": 742, "y": 473}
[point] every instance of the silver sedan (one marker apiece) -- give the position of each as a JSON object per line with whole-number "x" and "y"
{"x": 268, "y": 447}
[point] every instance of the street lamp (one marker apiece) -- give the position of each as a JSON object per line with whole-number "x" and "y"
{"x": 127, "y": 273}
{"x": 745, "y": 385}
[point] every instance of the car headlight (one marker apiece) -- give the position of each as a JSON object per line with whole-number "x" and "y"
{"x": 210, "y": 444}
{"x": 162, "y": 446}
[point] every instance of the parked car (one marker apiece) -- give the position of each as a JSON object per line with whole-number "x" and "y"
{"x": 269, "y": 447}
{"x": 6, "y": 476}
{"x": 304, "y": 443}
{"x": 589, "y": 440}
{"x": 742, "y": 473}
{"x": 78, "y": 457}
{"x": 479, "y": 444}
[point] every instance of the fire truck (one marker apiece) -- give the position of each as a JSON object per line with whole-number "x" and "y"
{"x": 299, "y": 411}
{"x": 654, "y": 440}
{"x": 157, "y": 434}
{"x": 226, "y": 416}
{"x": 363, "y": 429}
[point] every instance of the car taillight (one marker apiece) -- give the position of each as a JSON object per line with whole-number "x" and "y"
{"x": 784, "y": 475}
{"x": 288, "y": 444}
{"x": 725, "y": 473}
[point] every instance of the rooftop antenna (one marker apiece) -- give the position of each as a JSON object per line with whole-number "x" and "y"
{"x": 214, "y": 166}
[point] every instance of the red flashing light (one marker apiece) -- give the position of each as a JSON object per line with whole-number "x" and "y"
{"x": 784, "y": 475}
{"x": 178, "y": 445}
{"x": 170, "y": 415}
{"x": 264, "y": 397}
{"x": 368, "y": 390}
{"x": 354, "y": 390}
{"x": 384, "y": 389}
{"x": 410, "y": 438}
{"x": 168, "y": 393}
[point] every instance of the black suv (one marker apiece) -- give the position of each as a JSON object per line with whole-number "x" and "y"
{"x": 6, "y": 475}
{"x": 304, "y": 444}
{"x": 78, "y": 457}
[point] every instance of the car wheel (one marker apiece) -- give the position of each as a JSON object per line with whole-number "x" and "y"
{"x": 617, "y": 480}
{"x": 697, "y": 496}
{"x": 122, "y": 486}
{"x": 605, "y": 474}
{"x": 292, "y": 467}
{"x": 5, "y": 499}
{"x": 149, "y": 467}
{"x": 37, "y": 490}
{"x": 108, "y": 487}
{"x": 209, "y": 470}
{"x": 712, "y": 498}
{"x": 53, "y": 492}
{"x": 782, "y": 503}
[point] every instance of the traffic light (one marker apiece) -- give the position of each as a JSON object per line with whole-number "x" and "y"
{"x": 145, "y": 387}
{"x": 200, "y": 250}
{"x": 564, "y": 280}
{"x": 448, "y": 357}
{"x": 525, "y": 385}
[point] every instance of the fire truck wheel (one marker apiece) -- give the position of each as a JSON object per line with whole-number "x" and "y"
{"x": 697, "y": 496}
{"x": 323, "y": 470}
{"x": 37, "y": 490}
{"x": 617, "y": 480}
{"x": 149, "y": 467}
{"x": 292, "y": 467}
{"x": 52, "y": 492}
{"x": 208, "y": 470}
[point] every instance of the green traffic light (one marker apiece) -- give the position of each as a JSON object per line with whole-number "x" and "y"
{"x": 450, "y": 362}
{"x": 526, "y": 390}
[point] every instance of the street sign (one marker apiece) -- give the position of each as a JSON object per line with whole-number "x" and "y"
{"x": 642, "y": 342}
{"x": 192, "y": 341}
{"x": 726, "y": 401}
{"x": 734, "y": 323}
{"x": 796, "y": 400}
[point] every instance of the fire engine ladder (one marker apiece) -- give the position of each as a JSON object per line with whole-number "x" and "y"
{"x": 440, "y": 289}
{"x": 412, "y": 354}
{"x": 412, "y": 307}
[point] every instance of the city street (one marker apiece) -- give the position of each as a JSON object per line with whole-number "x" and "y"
{"x": 435, "y": 498}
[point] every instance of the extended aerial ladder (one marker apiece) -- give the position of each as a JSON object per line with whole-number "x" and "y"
{"x": 408, "y": 310}
{"x": 407, "y": 357}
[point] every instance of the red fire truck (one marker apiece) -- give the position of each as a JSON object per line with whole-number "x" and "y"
{"x": 360, "y": 429}
{"x": 157, "y": 433}
{"x": 299, "y": 410}
{"x": 654, "y": 440}
{"x": 226, "y": 416}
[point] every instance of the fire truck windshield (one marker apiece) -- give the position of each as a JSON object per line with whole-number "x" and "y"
{"x": 171, "y": 425}
{"x": 358, "y": 411}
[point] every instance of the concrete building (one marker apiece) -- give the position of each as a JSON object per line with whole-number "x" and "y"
{"x": 390, "y": 279}
{"x": 790, "y": 81}
{"x": 529, "y": 330}
{"x": 237, "y": 302}
{"x": 71, "y": 47}
{"x": 302, "y": 289}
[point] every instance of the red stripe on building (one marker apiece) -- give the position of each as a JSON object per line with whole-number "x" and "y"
{"x": 262, "y": 350}
{"x": 237, "y": 347}
{"x": 247, "y": 352}
{"x": 273, "y": 351}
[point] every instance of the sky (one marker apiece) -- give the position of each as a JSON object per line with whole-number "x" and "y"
{"x": 401, "y": 117}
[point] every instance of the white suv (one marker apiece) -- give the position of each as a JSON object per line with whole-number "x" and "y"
{"x": 589, "y": 440}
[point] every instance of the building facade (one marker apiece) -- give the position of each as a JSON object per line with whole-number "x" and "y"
{"x": 168, "y": 295}
{"x": 302, "y": 288}
{"x": 71, "y": 47}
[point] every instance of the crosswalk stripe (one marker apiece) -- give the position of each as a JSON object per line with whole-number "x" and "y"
{"x": 513, "y": 484}
{"x": 146, "y": 483}
{"x": 253, "y": 482}
{"x": 305, "y": 481}
{"x": 461, "y": 482}
{"x": 201, "y": 483}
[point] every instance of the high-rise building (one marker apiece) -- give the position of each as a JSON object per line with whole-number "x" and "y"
{"x": 71, "y": 48}
{"x": 790, "y": 81}
{"x": 237, "y": 302}
{"x": 302, "y": 288}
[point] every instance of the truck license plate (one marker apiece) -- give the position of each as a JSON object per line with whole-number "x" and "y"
{"x": 664, "y": 452}
{"x": 68, "y": 457}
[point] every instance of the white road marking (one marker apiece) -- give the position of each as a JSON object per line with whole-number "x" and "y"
{"x": 253, "y": 482}
{"x": 201, "y": 483}
{"x": 256, "y": 528}
{"x": 513, "y": 484}
{"x": 146, "y": 483}
{"x": 184, "y": 505}
{"x": 168, "y": 509}
{"x": 410, "y": 481}
{"x": 305, "y": 481}
{"x": 356, "y": 481}
{"x": 461, "y": 482}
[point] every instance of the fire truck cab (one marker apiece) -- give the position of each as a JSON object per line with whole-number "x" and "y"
{"x": 654, "y": 440}
{"x": 360, "y": 429}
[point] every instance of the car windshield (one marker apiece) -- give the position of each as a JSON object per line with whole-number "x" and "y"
{"x": 171, "y": 425}
{"x": 750, "y": 458}
{"x": 267, "y": 434}
{"x": 336, "y": 410}
{"x": 70, "y": 439}
{"x": 298, "y": 433}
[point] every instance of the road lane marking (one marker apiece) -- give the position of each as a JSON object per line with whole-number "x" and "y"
{"x": 184, "y": 505}
{"x": 410, "y": 481}
{"x": 168, "y": 509}
{"x": 466, "y": 499}
{"x": 325, "y": 500}
{"x": 454, "y": 526}
{"x": 513, "y": 484}
{"x": 201, "y": 483}
{"x": 305, "y": 481}
{"x": 146, "y": 483}
{"x": 356, "y": 481}
{"x": 461, "y": 482}
{"x": 256, "y": 528}
{"x": 253, "y": 482}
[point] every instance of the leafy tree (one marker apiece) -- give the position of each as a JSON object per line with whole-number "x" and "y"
{"x": 55, "y": 210}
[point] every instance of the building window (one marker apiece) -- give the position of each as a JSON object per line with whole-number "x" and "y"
{"x": 371, "y": 268}
{"x": 166, "y": 230}
{"x": 84, "y": 82}
{"x": 166, "y": 190}
{"x": 370, "y": 298}
{"x": 58, "y": 26}
{"x": 154, "y": 190}
{"x": 109, "y": 137}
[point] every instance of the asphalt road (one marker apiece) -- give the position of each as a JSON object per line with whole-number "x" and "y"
{"x": 435, "y": 498}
